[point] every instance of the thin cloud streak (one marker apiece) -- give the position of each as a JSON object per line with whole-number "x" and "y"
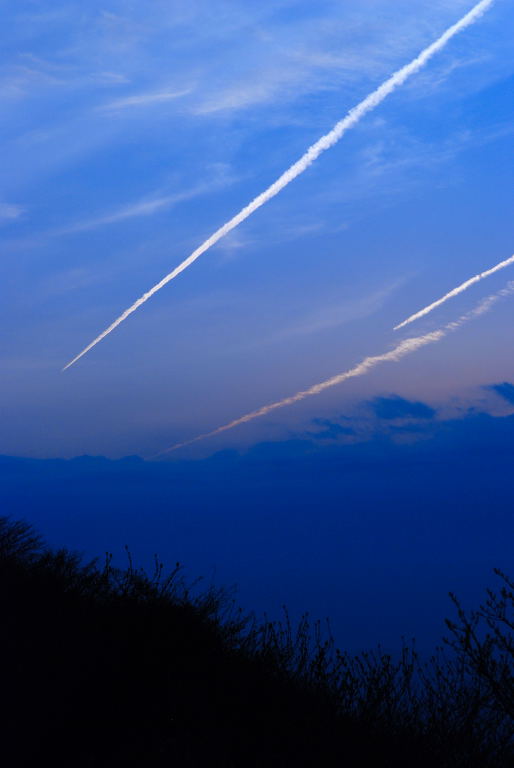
{"x": 147, "y": 207}
{"x": 404, "y": 348}
{"x": 325, "y": 142}
{"x": 333, "y": 316}
{"x": 143, "y": 99}
{"x": 144, "y": 208}
{"x": 9, "y": 211}
{"x": 455, "y": 292}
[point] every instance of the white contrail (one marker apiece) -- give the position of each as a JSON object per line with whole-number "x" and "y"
{"x": 324, "y": 143}
{"x": 405, "y": 347}
{"x": 455, "y": 292}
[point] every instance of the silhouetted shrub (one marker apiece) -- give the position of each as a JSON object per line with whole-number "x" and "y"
{"x": 106, "y": 666}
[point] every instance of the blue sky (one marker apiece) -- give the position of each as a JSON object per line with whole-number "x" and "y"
{"x": 131, "y": 131}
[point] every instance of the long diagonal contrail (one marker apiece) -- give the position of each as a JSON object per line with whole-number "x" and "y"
{"x": 455, "y": 292}
{"x": 325, "y": 142}
{"x": 406, "y": 347}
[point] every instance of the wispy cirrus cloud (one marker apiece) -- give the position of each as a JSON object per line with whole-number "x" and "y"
{"x": 393, "y": 165}
{"x": 10, "y": 211}
{"x": 18, "y": 81}
{"x": 143, "y": 99}
{"x": 149, "y": 206}
{"x": 146, "y": 207}
{"x": 133, "y": 210}
{"x": 337, "y": 315}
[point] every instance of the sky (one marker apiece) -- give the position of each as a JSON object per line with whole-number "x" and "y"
{"x": 131, "y": 132}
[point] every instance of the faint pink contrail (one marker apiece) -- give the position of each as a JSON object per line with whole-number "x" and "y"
{"x": 455, "y": 292}
{"x": 325, "y": 142}
{"x": 404, "y": 348}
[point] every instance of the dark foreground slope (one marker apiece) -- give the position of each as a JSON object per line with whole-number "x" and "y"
{"x": 106, "y": 667}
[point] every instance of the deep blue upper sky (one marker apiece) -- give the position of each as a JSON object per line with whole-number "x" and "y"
{"x": 131, "y": 131}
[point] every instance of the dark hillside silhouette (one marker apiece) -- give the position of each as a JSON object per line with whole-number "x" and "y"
{"x": 109, "y": 667}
